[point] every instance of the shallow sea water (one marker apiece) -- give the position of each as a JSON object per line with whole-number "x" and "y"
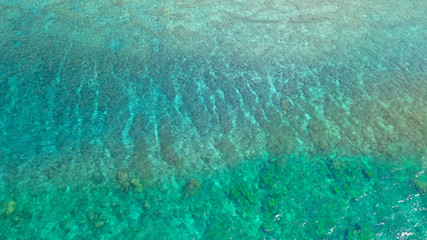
{"x": 184, "y": 119}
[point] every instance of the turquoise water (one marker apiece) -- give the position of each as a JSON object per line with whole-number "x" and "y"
{"x": 213, "y": 120}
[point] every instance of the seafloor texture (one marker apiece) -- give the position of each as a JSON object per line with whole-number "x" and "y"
{"x": 203, "y": 119}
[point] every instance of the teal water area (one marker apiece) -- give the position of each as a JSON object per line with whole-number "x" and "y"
{"x": 213, "y": 120}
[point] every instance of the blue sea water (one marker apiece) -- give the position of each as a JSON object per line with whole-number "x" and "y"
{"x": 186, "y": 119}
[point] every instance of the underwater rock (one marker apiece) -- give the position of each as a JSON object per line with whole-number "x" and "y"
{"x": 259, "y": 117}
{"x": 66, "y": 225}
{"x": 245, "y": 199}
{"x": 286, "y": 104}
{"x": 191, "y": 188}
{"x": 357, "y": 232}
{"x": 137, "y": 186}
{"x": 322, "y": 145}
{"x": 122, "y": 175}
{"x": 168, "y": 88}
{"x": 314, "y": 125}
{"x": 280, "y": 141}
{"x": 318, "y": 135}
{"x": 231, "y": 96}
{"x": 169, "y": 153}
{"x": 139, "y": 125}
{"x": 420, "y": 185}
{"x": 123, "y": 178}
{"x": 95, "y": 219}
{"x": 273, "y": 115}
{"x": 266, "y": 227}
{"x": 146, "y": 205}
{"x": 367, "y": 174}
{"x": 125, "y": 186}
{"x": 127, "y": 182}
{"x": 242, "y": 194}
{"x": 273, "y": 173}
{"x": 17, "y": 220}
{"x": 417, "y": 118}
{"x": 9, "y": 208}
{"x": 337, "y": 166}
{"x": 249, "y": 98}
{"x": 225, "y": 118}
{"x": 228, "y": 151}
{"x": 98, "y": 178}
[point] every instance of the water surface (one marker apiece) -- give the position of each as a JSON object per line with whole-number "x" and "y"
{"x": 213, "y": 120}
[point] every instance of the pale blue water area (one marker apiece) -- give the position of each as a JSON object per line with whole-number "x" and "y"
{"x": 208, "y": 119}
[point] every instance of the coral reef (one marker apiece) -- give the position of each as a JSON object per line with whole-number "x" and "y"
{"x": 420, "y": 185}
{"x": 122, "y": 175}
{"x": 191, "y": 188}
{"x": 127, "y": 182}
{"x": 9, "y": 209}
{"x": 137, "y": 186}
{"x": 96, "y": 219}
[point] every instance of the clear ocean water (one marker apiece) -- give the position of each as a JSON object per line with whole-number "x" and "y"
{"x": 203, "y": 119}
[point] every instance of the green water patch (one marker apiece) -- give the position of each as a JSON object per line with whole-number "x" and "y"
{"x": 282, "y": 197}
